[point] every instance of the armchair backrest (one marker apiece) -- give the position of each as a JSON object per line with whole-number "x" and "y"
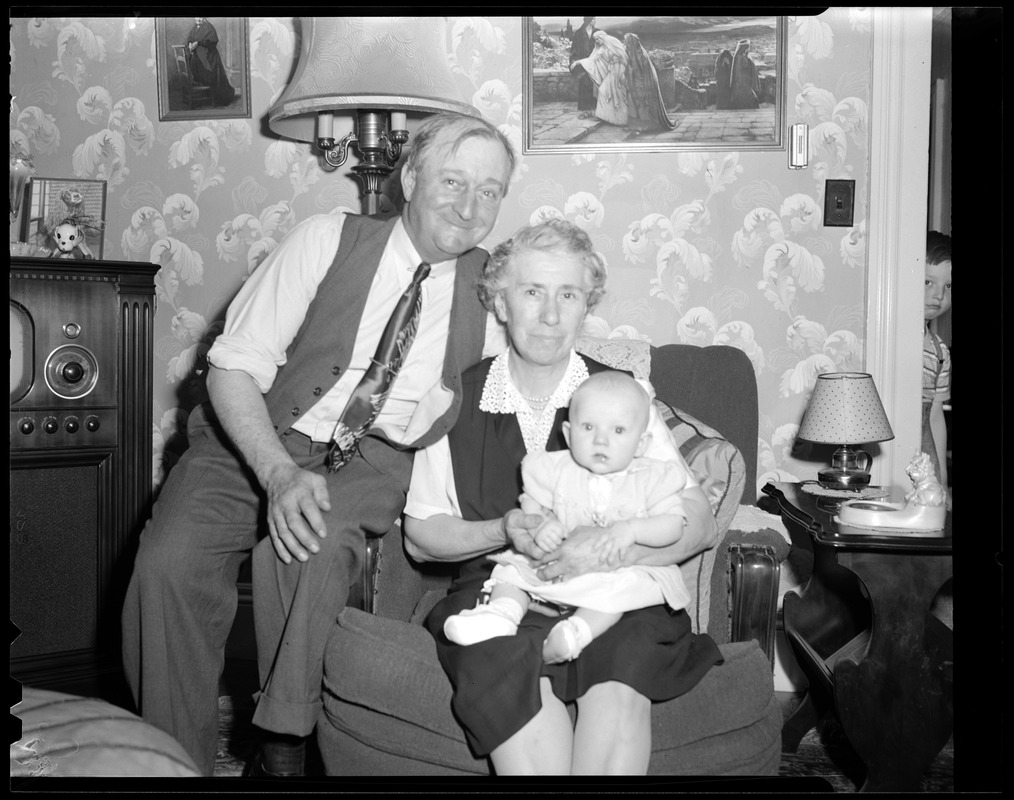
{"x": 716, "y": 384}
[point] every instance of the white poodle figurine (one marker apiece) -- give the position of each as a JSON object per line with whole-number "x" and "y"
{"x": 70, "y": 239}
{"x": 926, "y": 490}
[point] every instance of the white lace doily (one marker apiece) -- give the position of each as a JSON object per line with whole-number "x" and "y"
{"x": 633, "y": 355}
{"x": 500, "y": 396}
{"x": 866, "y": 493}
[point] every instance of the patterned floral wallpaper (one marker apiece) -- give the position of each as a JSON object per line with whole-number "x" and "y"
{"x": 703, "y": 248}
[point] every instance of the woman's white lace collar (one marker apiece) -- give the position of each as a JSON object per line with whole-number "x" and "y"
{"x": 500, "y": 396}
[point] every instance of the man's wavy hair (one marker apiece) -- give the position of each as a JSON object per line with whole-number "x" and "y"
{"x": 459, "y": 128}
{"x": 552, "y": 236}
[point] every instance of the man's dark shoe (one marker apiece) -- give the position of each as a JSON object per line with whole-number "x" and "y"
{"x": 279, "y": 757}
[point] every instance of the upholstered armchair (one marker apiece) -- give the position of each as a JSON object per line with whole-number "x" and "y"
{"x": 387, "y": 701}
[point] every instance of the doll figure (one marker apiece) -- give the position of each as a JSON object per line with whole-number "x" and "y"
{"x": 74, "y": 201}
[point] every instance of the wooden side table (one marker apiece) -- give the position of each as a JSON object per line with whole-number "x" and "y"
{"x": 862, "y": 632}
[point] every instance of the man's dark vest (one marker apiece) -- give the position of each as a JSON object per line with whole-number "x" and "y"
{"x": 322, "y": 348}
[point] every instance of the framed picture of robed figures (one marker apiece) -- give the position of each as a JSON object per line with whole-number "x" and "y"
{"x": 654, "y": 83}
{"x": 203, "y": 66}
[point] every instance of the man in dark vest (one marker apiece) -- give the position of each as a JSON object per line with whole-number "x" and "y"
{"x": 581, "y": 47}
{"x": 298, "y": 338}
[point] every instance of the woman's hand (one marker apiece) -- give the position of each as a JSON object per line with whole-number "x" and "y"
{"x": 613, "y": 549}
{"x": 579, "y": 553}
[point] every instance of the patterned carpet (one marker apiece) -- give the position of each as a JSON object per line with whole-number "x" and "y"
{"x": 824, "y": 753}
{"x": 237, "y": 737}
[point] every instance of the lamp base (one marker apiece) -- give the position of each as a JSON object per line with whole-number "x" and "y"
{"x": 838, "y": 478}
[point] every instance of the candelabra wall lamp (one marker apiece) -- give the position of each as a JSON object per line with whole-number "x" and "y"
{"x": 363, "y": 83}
{"x": 22, "y": 170}
{"x": 845, "y": 410}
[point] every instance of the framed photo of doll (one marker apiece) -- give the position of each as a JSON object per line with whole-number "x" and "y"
{"x": 65, "y": 217}
{"x": 654, "y": 83}
{"x": 203, "y": 67}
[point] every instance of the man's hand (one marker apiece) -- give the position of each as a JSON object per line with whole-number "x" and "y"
{"x": 520, "y": 528}
{"x": 577, "y": 555}
{"x": 296, "y": 499}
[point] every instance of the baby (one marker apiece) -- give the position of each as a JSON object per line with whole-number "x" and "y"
{"x": 603, "y": 479}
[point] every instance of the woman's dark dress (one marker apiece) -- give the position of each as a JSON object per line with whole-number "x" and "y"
{"x": 496, "y": 682}
{"x": 206, "y": 63}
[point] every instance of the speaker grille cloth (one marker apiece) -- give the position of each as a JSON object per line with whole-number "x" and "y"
{"x": 54, "y": 558}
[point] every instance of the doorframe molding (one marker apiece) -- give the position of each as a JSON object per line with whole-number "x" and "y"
{"x": 896, "y": 226}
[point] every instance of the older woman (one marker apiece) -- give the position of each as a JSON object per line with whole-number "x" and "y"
{"x": 462, "y": 504}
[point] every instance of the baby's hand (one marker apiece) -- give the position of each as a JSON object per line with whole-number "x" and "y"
{"x": 614, "y": 545}
{"x": 550, "y": 534}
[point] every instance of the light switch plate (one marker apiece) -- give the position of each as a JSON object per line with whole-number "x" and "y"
{"x": 839, "y": 203}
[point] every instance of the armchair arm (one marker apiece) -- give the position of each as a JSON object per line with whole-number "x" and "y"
{"x": 363, "y": 593}
{"x": 744, "y": 585}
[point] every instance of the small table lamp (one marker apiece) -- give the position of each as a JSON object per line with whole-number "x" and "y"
{"x": 845, "y": 409}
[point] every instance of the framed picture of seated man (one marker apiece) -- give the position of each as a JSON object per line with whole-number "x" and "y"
{"x": 654, "y": 83}
{"x": 203, "y": 67}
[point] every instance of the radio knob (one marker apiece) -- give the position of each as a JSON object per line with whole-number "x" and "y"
{"x": 73, "y": 372}
{"x": 26, "y": 425}
{"x": 71, "y": 424}
{"x": 92, "y": 424}
{"x": 50, "y": 425}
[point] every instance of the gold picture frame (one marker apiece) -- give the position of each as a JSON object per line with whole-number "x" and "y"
{"x": 203, "y": 67}
{"x": 684, "y": 53}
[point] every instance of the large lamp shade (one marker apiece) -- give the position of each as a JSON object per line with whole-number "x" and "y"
{"x": 351, "y": 63}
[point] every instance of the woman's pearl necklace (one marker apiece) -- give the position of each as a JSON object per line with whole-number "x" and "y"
{"x": 539, "y": 401}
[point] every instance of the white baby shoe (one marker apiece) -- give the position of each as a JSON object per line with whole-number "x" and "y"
{"x": 499, "y": 617}
{"x": 566, "y": 640}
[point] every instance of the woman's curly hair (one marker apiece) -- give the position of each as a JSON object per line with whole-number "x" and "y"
{"x": 552, "y": 236}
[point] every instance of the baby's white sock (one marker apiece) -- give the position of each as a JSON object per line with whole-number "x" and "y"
{"x": 507, "y": 607}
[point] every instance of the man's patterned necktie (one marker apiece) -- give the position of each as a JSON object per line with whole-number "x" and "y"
{"x": 369, "y": 396}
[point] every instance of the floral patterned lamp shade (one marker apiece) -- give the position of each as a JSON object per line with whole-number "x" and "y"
{"x": 845, "y": 409}
{"x": 358, "y": 82}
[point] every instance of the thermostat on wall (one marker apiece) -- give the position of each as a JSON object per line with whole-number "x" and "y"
{"x": 798, "y": 141}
